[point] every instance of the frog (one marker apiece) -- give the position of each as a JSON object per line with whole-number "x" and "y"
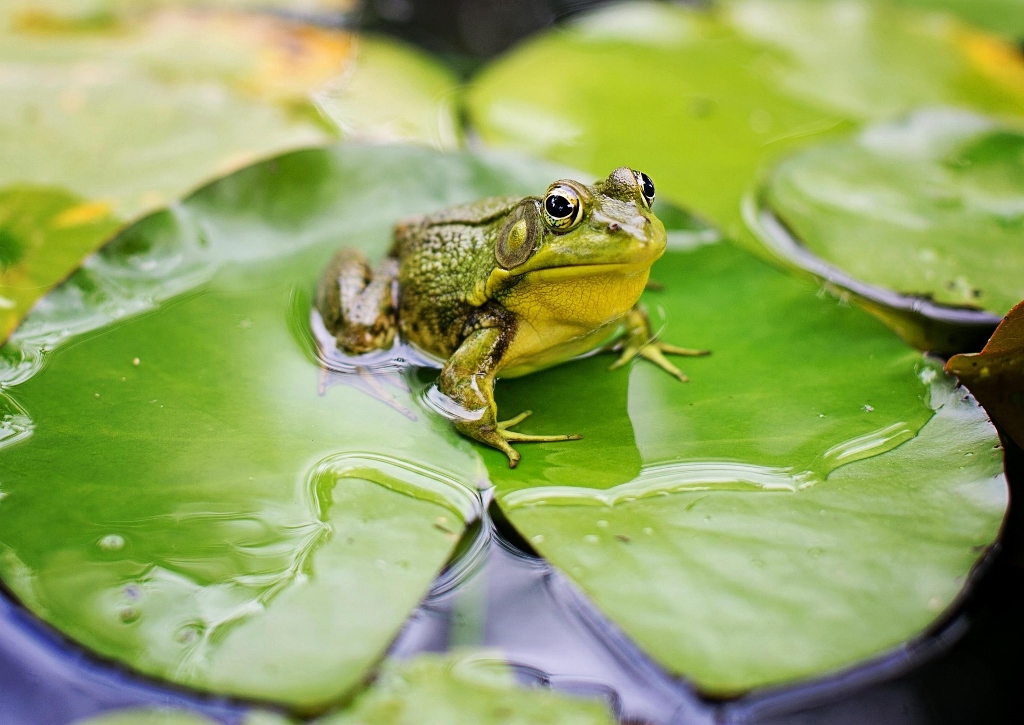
{"x": 505, "y": 287}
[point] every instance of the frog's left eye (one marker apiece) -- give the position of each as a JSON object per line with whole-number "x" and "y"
{"x": 562, "y": 208}
{"x": 646, "y": 187}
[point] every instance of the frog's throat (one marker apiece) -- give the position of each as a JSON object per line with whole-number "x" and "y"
{"x": 501, "y": 279}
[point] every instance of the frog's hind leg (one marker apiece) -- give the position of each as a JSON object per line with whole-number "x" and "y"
{"x": 639, "y": 340}
{"x": 357, "y": 303}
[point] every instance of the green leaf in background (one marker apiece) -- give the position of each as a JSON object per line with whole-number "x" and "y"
{"x": 135, "y": 108}
{"x": 396, "y": 94}
{"x": 1005, "y": 17}
{"x": 700, "y": 99}
{"x": 930, "y": 207}
{"x": 44, "y": 232}
{"x": 440, "y": 690}
{"x": 814, "y": 496}
{"x": 183, "y": 490}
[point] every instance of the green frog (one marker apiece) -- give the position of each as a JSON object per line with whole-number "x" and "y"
{"x": 507, "y": 286}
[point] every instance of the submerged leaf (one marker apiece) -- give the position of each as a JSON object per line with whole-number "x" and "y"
{"x": 996, "y": 375}
{"x": 440, "y": 690}
{"x": 139, "y": 716}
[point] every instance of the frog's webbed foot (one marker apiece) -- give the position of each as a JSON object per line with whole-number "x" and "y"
{"x": 499, "y": 436}
{"x": 639, "y": 340}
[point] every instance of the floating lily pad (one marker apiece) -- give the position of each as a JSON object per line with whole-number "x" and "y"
{"x": 700, "y": 99}
{"x": 184, "y": 490}
{"x": 463, "y": 689}
{"x": 129, "y": 109}
{"x": 816, "y": 495}
{"x": 921, "y": 218}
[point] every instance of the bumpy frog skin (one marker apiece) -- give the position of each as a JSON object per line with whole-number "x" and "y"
{"x": 504, "y": 287}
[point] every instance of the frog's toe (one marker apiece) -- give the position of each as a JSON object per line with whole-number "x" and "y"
{"x": 686, "y": 351}
{"x": 653, "y": 353}
{"x": 511, "y": 435}
{"x": 506, "y": 424}
{"x": 628, "y": 353}
{"x": 513, "y": 455}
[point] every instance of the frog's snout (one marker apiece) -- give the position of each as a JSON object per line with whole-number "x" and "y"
{"x": 638, "y": 230}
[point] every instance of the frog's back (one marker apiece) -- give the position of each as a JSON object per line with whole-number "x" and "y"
{"x": 444, "y": 260}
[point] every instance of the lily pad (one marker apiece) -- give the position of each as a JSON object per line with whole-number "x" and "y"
{"x": 463, "y": 689}
{"x": 816, "y": 495}
{"x": 185, "y": 490}
{"x": 131, "y": 109}
{"x": 930, "y": 207}
{"x": 701, "y": 99}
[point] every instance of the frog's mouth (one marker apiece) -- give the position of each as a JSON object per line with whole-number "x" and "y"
{"x": 503, "y": 279}
{"x": 575, "y": 271}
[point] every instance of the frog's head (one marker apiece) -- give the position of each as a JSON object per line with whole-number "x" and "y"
{"x": 575, "y": 230}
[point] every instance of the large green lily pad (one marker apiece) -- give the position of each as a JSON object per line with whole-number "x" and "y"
{"x": 463, "y": 688}
{"x": 129, "y": 109}
{"x": 700, "y": 99}
{"x": 815, "y": 495}
{"x": 931, "y": 206}
{"x": 183, "y": 490}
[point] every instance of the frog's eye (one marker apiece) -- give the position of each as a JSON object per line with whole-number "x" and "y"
{"x": 562, "y": 208}
{"x": 646, "y": 187}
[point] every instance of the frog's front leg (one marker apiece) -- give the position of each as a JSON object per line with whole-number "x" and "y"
{"x": 639, "y": 339}
{"x": 467, "y": 378}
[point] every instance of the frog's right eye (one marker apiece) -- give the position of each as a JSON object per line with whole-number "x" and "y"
{"x": 562, "y": 208}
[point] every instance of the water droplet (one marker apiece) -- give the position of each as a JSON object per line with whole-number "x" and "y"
{"x": 935, "y": 603}
{"x": 602, "y": 523}
{"x": 868, "y": 408}
{"x": 136, "y": 361}
{"x": 189, "y": 634}
{"x": 380, "y": 564}
{"x": 538, "y": 539}
{"x": 128, "y": 614}
{"x": 648, "y": 530}
{"x": 111, "y": 542}
{"x": 591, "y": 539}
